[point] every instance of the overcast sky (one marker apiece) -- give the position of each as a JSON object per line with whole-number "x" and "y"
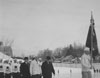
{"x": 41, "y": 24}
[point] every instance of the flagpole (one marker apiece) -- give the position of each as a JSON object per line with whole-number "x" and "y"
{"x": 92, "y": 24}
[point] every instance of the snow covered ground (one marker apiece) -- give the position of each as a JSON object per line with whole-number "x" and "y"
{"x": 68, "y": 71}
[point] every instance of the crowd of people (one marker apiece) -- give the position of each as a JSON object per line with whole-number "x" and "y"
{"x": 38, "y": 69}
{"x": 28, "y": 69}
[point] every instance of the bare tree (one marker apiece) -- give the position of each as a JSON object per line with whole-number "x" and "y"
{"x": 6, "y": 47}
{"x": 7, "y": 41}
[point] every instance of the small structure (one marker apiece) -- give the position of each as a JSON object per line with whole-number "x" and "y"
{"x": 6, "y": 49}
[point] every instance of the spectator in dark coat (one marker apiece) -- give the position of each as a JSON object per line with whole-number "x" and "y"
{"x": 47, "y": 68}
{"x": 24, "y": 69}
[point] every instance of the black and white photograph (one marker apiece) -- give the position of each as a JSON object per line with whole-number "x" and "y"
{"x": 49, "y": 38}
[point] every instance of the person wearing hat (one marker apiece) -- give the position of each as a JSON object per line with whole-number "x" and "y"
{"x": 86, "y": 64}
{"x": 1, "y": 69}
{"x": 47, "y": 68}
{"x": 24, "y": 69}
{"x": 15, "y": 69}
{"x": 7, "y": 71}
{"x": 35, "y": 69}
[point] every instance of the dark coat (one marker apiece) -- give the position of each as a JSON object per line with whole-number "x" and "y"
{"x": 47, "y": 69}
{"x": 24, "y": 69}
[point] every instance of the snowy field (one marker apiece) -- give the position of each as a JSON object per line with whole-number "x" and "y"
{"x": 73, "y": 71}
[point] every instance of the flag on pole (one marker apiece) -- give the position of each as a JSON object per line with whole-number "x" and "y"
{"x": 91, "y": 41}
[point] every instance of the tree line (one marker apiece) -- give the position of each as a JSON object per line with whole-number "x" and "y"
{"x": 74, "y": 50}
